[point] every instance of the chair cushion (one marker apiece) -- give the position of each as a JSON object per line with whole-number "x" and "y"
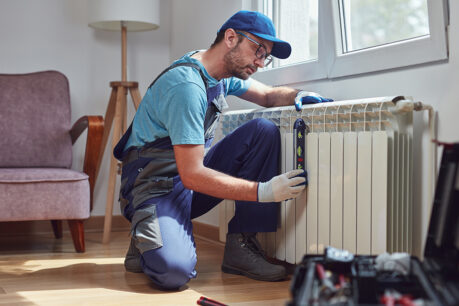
{"x": 43, "y": 194}
{"x": 35, "y": 120}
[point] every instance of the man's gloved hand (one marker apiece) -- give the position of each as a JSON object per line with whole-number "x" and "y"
{"x": 282, "y": 187}
{"x": 308, "y": 97}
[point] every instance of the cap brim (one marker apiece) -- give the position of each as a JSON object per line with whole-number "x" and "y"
{"x": 281, "y": 49}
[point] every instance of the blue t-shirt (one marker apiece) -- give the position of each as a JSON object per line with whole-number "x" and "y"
{"x": 175, "y": 106}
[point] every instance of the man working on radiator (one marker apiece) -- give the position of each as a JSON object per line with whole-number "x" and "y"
{"x": 169, "y": 178}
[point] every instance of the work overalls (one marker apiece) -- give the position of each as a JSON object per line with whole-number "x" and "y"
{"x": 160, "y": 208}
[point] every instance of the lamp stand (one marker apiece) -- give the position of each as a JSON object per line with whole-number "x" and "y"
{"x": 116, "y": 115}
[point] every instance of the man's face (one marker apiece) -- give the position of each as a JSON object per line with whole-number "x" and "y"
{"x": 241, "y": 61}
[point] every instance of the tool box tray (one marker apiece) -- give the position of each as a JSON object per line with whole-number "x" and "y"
{"x": 426, "y": 284}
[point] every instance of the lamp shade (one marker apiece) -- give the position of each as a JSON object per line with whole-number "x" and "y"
{"x": 135, "y": 15}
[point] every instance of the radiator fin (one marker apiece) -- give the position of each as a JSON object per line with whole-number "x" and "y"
{"x": 312, "y": 148}
{"x": 350, "y": 192}
{"x": 336, "y": 189}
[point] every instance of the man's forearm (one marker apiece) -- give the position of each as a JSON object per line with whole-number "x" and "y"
{"x": 268, "y": 96}
{"x": 197, "y": 177}
{"x": 281, "y": 96}
{"x": 221, "y": 185}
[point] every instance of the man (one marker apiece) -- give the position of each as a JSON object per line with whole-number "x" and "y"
{"x": 168, "y": 178}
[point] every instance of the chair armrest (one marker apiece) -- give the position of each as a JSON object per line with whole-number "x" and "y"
{"x": 95, "y": 125}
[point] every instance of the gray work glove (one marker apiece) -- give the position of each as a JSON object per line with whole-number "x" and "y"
{"x": 282, "y": 187}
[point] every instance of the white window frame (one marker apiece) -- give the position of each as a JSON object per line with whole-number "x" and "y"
{"x": 333, "y": 63}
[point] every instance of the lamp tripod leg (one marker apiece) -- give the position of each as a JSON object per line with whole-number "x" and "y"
{"x": 124, "y": 116}
{"x": 118, "y": 121}
{"x": 109, "y": 114}
{"x": 136, "y": 97}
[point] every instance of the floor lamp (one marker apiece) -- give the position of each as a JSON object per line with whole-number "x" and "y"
{"x": 124, "y": 16}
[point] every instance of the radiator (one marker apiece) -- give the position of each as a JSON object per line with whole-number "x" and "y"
{"x": 359, "y": 163}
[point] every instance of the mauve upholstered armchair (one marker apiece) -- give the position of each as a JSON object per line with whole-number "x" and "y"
{"x": 36, "y": 179}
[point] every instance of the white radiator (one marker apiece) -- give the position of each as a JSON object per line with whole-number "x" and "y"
{"x": 359, "y": 161}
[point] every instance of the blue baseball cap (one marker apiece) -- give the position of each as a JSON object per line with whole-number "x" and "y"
{"x": 259, "y": 25}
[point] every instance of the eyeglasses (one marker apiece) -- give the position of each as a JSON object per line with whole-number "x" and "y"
{"x": 261, "y": 52}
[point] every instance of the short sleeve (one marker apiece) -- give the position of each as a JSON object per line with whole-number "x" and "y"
{"x": 237, "y": 87}
{"x": 184, "y": 114}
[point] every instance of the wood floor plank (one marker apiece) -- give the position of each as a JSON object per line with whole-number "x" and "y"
{"x": 41, "y": 270}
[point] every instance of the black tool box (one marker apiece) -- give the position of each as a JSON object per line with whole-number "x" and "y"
{"x": 339, "y": 278}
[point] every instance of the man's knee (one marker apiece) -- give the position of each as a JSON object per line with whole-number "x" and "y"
{"x": 265, "y": 128}
{"x": 176, "y": 277}
{"x": 168, "y": 272}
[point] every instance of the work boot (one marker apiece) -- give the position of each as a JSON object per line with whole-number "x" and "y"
{"x": 132, "y": 260}
{"x": 243, "y": 255}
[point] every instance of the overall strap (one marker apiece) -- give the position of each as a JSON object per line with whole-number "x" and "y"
{"x": 195, "y": 66}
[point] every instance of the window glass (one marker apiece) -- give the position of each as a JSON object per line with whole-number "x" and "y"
{"x": 296, "y": 22}
{"x": 369, "y": 23}
{"x": 299, "y": 26}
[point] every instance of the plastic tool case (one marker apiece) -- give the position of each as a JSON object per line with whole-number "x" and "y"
{"x": 340, "y": 278}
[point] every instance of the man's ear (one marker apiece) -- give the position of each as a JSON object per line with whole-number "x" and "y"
{"x": 231, "y": 38}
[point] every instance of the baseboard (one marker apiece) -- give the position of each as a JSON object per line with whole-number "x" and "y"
{"x": 205, "y": 231}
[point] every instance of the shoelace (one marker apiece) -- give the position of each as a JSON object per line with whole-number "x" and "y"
{"x": 251, "y": 252}
{"x": 254, "y": 246}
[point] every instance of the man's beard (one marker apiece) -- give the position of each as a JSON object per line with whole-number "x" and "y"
{"x": 235, "y": 66}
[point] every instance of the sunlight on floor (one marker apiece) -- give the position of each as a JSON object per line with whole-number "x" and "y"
{"x": 116, "y": 297}
{"x": 40, "y": 264}
{"x": 41, "y": 270}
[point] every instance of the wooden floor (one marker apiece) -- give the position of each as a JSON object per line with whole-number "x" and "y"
{"x": 41, "y": 270}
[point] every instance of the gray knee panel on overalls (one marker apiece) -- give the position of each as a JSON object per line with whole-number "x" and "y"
{"x": 145, "y": 229}
{"x": 141, "y": 183}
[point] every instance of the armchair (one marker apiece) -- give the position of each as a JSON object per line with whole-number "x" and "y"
{"x": 36, "y": 179}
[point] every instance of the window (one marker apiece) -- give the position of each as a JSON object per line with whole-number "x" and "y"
{"x": 334, "y": 38}
{"x": 366, "y": 24}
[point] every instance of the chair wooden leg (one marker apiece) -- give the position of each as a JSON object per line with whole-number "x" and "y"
{"x": 57, "y": 228}
{"x": 77, "y": 231}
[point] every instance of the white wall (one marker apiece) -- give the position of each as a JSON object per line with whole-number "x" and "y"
{"x": 195, "y": 23}
{"x": 54, "y": 35}
{"x": 435, "y": 84}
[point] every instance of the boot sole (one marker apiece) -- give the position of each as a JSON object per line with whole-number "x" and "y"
{"x": 133, "y": 268}
{"x": 236, "y": 271}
